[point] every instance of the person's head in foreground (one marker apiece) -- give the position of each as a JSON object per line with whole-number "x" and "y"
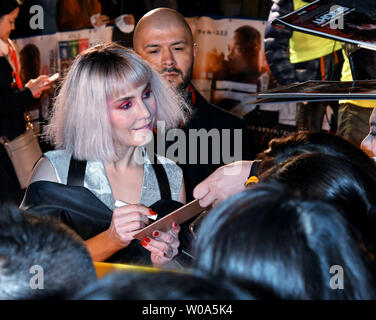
{"x": 334, "y": 180}
{"x": 40, "y": 258}
{"x": 163, "y": 286}
{"x": 164, "y": 38}
{"x": 298, "y": 249}
{"x": 280, "y": 149}
{"x": 109, "y": 103}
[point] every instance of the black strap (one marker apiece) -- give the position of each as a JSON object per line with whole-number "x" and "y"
{"x": 76, "y": 173}
{"x": 163, "y": 183}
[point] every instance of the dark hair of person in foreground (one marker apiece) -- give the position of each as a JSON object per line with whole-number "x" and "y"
{"x": 164, "y": 285}
{"x": 267, "y": 236}
{"x": 280, "y": 149}
{"x": 338, "y": 182}
{"x": 40, "y": 258}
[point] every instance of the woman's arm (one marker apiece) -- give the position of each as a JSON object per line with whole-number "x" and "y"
{"x": 101, "y": 246}
{"x": 125, "y": 223}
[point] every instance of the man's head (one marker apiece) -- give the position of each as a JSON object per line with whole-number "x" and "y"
{"x": 164, "y": 38}
{"x": 368, "y": 145}
{"x": 40, "y": 258}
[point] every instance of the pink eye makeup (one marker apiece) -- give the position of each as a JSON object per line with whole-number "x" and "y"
{"x": 125, "y": 105}
{"x": 147, "y": 93}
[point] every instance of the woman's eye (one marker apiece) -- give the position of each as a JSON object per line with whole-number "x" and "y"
{"x": 126, "y": 105}
{"x": 146, "y": 94}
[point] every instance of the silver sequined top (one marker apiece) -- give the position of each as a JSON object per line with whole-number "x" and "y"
{"x": 97, "y": 182}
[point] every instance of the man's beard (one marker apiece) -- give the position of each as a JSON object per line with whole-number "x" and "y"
{"x": 186, "y": 80}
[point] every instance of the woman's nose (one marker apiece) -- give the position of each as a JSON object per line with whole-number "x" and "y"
{"x": 144, "y": 111}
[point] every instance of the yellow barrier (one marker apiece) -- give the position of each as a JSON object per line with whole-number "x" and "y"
{"x": 103, "y": 268}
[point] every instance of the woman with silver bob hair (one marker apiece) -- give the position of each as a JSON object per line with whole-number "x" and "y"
{"x": 104, "y": 115}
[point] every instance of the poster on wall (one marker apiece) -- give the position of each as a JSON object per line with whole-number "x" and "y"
{"x": 53, "y": 53}
{"x": 37, "y": 56}
{"x": 71, "y": 43}
{"x": 230, "y": 64}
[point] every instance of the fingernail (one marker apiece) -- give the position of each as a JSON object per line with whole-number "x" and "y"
{"x": 144, "y": 243}
{"x": 152, "y": 212}
{"x": 155, "y": 234}
{"x": 174, "y": 224}
{"x": 147, "y": 239}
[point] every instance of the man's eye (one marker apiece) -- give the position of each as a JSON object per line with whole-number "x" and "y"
{"x": 152, "y": 52}
{"x": 126, "y": 105}
{"x": 179, "y": 48}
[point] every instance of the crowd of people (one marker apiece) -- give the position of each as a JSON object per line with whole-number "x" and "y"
{"x": 297, "y": 222}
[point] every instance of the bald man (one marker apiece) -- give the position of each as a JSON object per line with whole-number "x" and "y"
{"x": 163, "y": 37}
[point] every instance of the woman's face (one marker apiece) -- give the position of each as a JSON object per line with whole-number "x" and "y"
{"x": 132, "y": 116}
{"x": 7, "y": 24}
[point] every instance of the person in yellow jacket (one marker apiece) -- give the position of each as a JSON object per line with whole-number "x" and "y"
{"x": 297, "y": 57}
{"x": 353, "y": 115}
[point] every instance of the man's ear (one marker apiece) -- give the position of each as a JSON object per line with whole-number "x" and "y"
{"x": 195, "y": 48}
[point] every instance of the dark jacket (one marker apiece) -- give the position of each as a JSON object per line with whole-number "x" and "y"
{"x": 276, "y": 42}
{"x": 13, "y": 103}
{"x": 207, "y": 116}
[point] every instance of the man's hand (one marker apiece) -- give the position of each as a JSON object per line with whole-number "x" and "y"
{"x": 223, "y": 183}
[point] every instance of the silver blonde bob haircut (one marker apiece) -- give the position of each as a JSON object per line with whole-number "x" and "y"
{"x": 80, "y": 120}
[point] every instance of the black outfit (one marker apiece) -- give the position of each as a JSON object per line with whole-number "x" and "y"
{"x": 13, "y": 103}
{"x": 208, "y": 116}
{"x": 82, "y": 211}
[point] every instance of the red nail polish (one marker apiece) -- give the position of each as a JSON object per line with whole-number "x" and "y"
{"x": 155, "y": 234}
{"x": 144, "y": 243}
{"x": 147, "y": 239}
{"x": 174, "y": 224}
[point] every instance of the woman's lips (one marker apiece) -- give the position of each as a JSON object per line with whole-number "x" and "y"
{"x": 147, "y": 126}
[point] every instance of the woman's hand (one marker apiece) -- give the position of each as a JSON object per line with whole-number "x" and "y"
{"x": 126, "y": 222}
{"x": 163, "y": 246}
{"x": 38, "y": 85}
